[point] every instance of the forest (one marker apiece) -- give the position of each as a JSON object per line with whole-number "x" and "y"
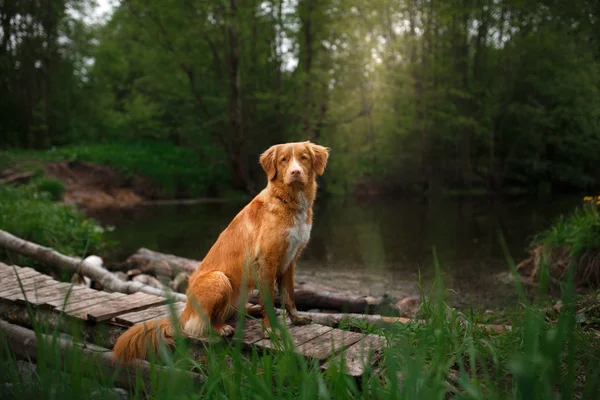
{"x": 410, "y": 95}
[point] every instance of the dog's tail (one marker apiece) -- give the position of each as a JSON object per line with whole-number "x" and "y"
{"x": 140, "y": 338}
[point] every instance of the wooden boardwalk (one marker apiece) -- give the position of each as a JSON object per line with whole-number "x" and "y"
{"x": 319, "y": 342}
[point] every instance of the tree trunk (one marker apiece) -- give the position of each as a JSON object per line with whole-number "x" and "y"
{"x": 90, "y": 267}
{"x": 307, "y": 58}
{"x": 241, "y": 176}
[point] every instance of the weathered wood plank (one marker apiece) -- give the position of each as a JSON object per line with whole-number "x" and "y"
{"x": 79, "y": 309}
{"x": 359, "y": 356}
{"x": 22, "y": 273}
{"x": 58, "y": 295}
{"x": 32, "y": 295}
{"x": 11, "y": 281}
{"x": 132, "y": 302}
{"x": 253, "y": 332}
{"x": 330, "y": 343}
{"x": 159, "y": 312}
{"x": 299, "y": 335}
{"x": 5, "y": 267}
{"x": 76, "y": 297}
{"x": 37, "y": 281}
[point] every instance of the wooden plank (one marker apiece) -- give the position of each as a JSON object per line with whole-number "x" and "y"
{"x": 358, "y": 356}
{"x": 299, "y": 335}
{"x": 22, "y": 273}
{"x": 33, "y": 294}
{"x": 38, "y": 281}
{"x": 132, "y": 302}
{"x": 76, "y": 297}
{"x": 79, "y": 309}
{"x": 59, "y": 295}
{"x": 159, "y": 312}
{"x": 5, "y": 267}
{"x": 14, "y": 282}
{"x": 253, "y": 331}
{"x": 50, "y": 286}
{"x": 330, "y": 343}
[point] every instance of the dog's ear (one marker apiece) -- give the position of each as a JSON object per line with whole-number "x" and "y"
{"x": 320, "y": 155}
{"x": 268, "y": 162}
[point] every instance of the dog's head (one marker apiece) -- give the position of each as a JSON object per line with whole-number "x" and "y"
{"x": 294, "y": 163}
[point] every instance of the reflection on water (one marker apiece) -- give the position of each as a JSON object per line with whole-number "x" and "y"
{"x": 373, "y": 247}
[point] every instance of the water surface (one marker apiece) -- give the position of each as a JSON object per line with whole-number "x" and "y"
{"x": 373, "y": 246}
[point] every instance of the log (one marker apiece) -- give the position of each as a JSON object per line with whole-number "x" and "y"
{"x": 158, "y": 264}
{"x": 25, "y": 343}
{"x": 308, "y": 296}
{"x": 335, "y": 320}
{"x": 90, "y": 267}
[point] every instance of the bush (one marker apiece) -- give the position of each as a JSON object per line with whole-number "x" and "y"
{"x": 56, "y": 189}
{"x": 573, "y": 241}
{"x": 29, "y": 213}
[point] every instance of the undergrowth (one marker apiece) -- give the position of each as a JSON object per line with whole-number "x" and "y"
{"x": 450, "y": 356}
{"x": 175, "y": 169}
{"x": 30, "y": 213}
{"x": 579, "y": 231}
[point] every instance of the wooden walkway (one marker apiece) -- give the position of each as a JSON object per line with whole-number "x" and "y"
{"x": 319, "y": 342}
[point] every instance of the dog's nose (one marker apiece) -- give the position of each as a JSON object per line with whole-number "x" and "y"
{"x": 296, "y": 172}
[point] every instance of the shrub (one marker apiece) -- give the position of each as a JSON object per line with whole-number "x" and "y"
{"x": 29, "y": 213}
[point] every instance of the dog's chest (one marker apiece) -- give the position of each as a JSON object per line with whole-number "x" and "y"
{"x": 297, "y": 236}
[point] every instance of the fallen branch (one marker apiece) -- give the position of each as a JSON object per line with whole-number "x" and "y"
{"x": 25, "y": 344}
{"x": 90, "y": 267}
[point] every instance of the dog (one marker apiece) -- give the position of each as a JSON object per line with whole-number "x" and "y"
{"x": 259, "y": 248}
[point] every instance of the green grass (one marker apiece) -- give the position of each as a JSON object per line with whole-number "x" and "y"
{"x": 449, "y": 357}
{"x": 175, "y": 169}
{"x": 578, "y": 231}
{"x": 30, "y": 213}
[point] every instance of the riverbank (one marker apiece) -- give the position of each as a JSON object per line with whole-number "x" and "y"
{"x": 119, "y": 174}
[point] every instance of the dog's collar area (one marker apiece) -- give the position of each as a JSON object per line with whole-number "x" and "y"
{"x": 295, "y": 205}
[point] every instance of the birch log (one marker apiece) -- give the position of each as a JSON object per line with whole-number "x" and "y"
{"x": 90, "y": 267}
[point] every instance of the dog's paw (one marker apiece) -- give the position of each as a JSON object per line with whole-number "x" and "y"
{"x": 301, "y": 320}
{"x": 226, "y": 330}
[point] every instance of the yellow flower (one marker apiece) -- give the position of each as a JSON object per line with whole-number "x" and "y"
{"x": 588, "y": 198}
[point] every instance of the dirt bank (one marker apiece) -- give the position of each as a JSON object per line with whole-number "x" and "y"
{"x": 97, "y": 186}
{"x": 91, "y": 185}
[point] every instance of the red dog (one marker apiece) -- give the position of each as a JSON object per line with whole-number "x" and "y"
{"x": 263, "y": 241}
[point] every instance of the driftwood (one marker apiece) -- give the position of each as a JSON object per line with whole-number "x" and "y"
{"x": 25, "y": 344}
{"x": 157, "y": 264}
{"x": 90, "y": 267}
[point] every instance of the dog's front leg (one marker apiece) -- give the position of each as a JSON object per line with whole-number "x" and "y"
{"x": 265, "y": 295}
{"x": 287, "y": 294}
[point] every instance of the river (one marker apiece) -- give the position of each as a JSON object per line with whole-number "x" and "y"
{"x": 372, "y": 246}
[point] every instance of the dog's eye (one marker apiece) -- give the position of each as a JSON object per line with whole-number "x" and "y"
{"x": 283, "y": 159}
{"x": 304, "y": 157}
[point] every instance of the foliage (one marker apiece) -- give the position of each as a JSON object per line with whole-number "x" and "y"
{"x": 54, "y": 188}
{"x": 449, "y": 357}
{"x": 29, "y": 213}
{"x": 175, "y": 169}
{"x": 578, "y": 231}
{"x": 412, "y": 95}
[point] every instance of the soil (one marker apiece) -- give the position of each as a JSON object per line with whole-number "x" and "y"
{"x": 99, "y": 186}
